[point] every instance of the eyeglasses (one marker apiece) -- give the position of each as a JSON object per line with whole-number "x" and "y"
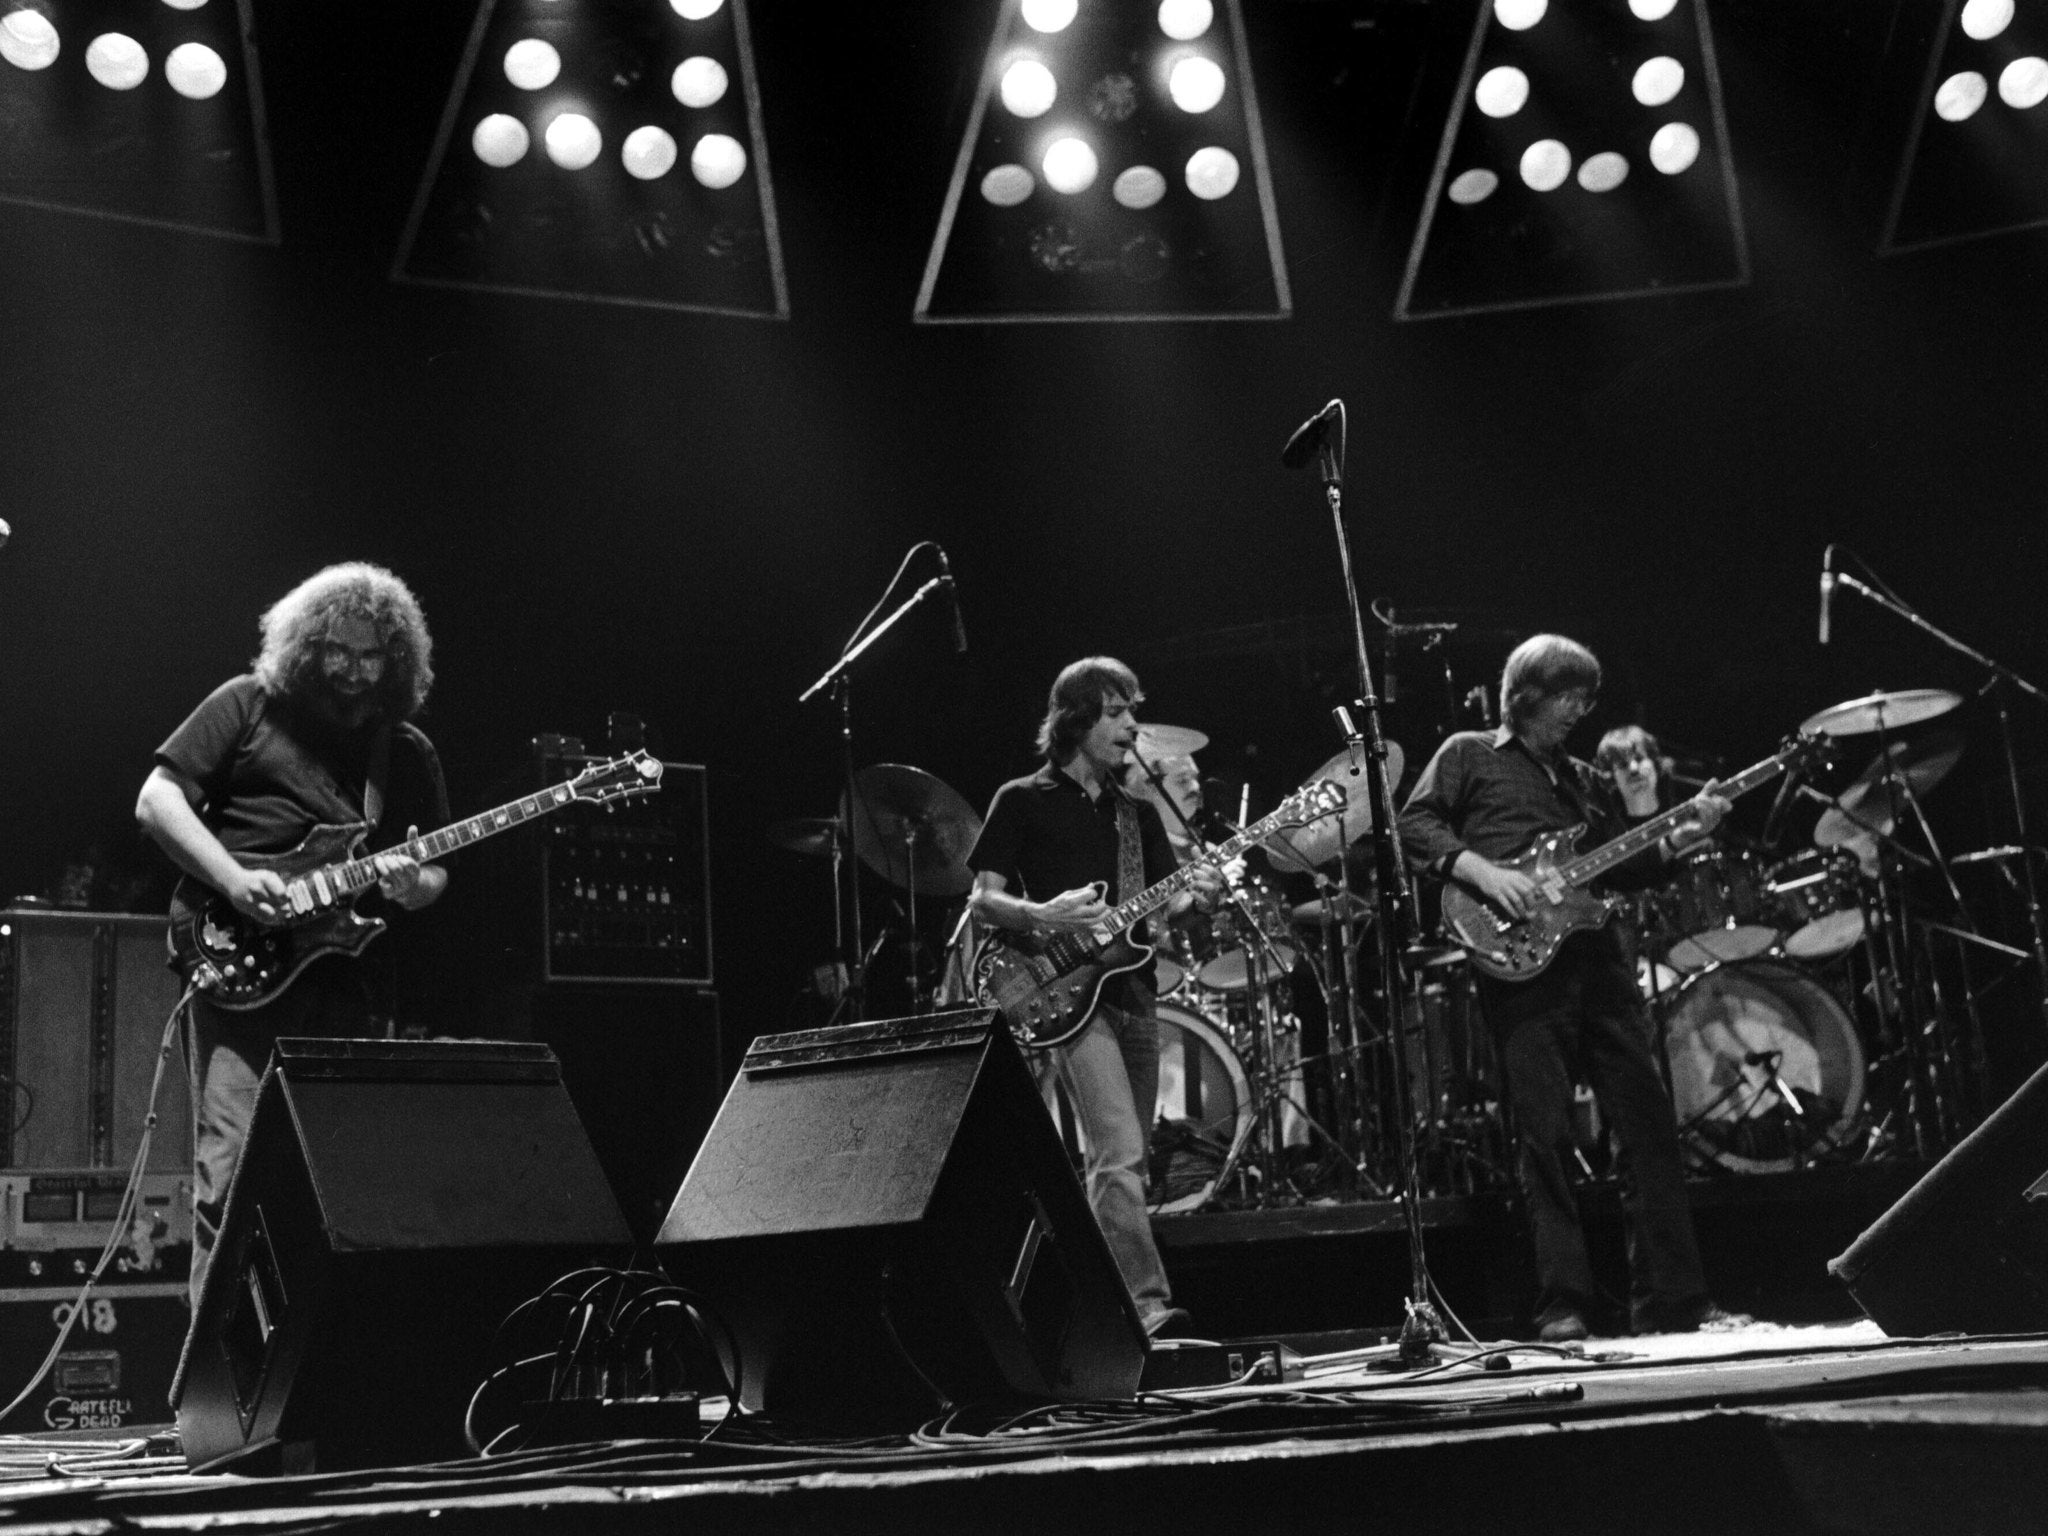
{"x": 337, "y": 653}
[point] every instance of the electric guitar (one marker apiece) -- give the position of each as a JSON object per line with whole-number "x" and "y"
{"x": 240, "y": 963}
{"x": 1517, "y": 950}
{"x": 1046, "y": 985}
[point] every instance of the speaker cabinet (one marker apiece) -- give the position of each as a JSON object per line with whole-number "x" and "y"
{"x": 886, "y": 1216}
{"x": 395, "y": 1200}
{"x": 1965, "y": 1249}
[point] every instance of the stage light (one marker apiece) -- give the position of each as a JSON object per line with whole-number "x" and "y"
{"x": 2023, "y": 82}
{"x": 699, "y": 82}
{"x": 1196, "y": 84}
{"x": 1502, "y": 91}
{"x": 1008, "y": 185}
{"x": 1050, "y": 15}
{"x": 1185, "y": 20}
{"x": 718, "y": 161}
{"x": 500, "y": 140}
{"x": 1960, "y": 95}
{"x": 28, "y": 40}
{"x": 1121, "y": 172}
{"x": 1983, "y": 20}
{"x": 531, "y": 64}
{"x": 1533, "y": 199}
{"x": 1212, "y": 173}
{"x": 1029, "y": 89}
{"x": 195, "y": 71}
{"x": 648, "y": 152}
{"x": 1069, "y": 166}
{"x": 117, "y": 61}
{"x": 572, "y": 140}
{"x": 1139, "y": 186}
{"x": 622, "y": 95}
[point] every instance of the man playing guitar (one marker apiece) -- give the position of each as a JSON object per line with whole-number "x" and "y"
{"x": 1058, "y": 850}
{"x": 315, "y": 733}
{"x": 1484, "y": 798}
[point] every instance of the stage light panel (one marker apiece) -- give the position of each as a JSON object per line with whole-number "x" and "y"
{"x": 1974, "y": 156}
{"x": 651, "y": 186}
{"x": 1537, "y": 195}
{"x": 139, "y": 110}
{"x": 1112, "y": 168}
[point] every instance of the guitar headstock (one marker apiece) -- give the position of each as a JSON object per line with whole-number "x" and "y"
{"x": 620, "y": 778}
{"x": 1805, "y": 750}
{"x": 1311, "y": 802}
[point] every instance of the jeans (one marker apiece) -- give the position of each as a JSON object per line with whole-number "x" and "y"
{"x": 1110, "y": 1072}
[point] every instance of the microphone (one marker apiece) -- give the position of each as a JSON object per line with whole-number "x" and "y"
{"x": 1308, "y": 437}
{"x": 1827, "y": 589}
{"x": 953, "y": 601}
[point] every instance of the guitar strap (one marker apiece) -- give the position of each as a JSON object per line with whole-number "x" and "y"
{"x": 1130, "y": 851}
{"x": 375, "y": 778}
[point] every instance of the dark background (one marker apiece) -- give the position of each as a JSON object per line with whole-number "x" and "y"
{"x": 684, "y": 516}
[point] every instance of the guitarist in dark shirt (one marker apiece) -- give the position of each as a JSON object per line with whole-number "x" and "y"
{"x": 1056, "y": 852}
{"x": 1483, "y": 799}
{"x": 316, "y": 732}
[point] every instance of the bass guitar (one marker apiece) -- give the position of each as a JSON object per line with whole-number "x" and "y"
{"x": 240, "y": 963}
{"x": 1046, "y": 985}
{"x": 1512, "y": 949}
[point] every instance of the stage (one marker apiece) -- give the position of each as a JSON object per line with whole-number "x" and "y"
{"x": 1830, "y": 1428}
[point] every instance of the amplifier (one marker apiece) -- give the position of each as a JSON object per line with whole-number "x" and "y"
{"x": 618, "y": 893}
{"x": 84, "y": 997}
{"x": 52, "y": 1210}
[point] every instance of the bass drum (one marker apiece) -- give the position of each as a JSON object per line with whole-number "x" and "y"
{"x": 1766, "y": 1067}
{"x": 1204, "y": 1109}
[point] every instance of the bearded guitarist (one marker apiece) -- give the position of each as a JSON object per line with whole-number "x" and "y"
{"x": 1483, "y": 800}
{"x": 317, "y": 732}
{"x": 1058, "y": 850}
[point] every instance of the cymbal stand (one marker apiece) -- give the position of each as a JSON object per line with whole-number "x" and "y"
{"x": 839, "y": 678}
{"x": 1422, "y": 1330}
{"x": 2000, "y": 677}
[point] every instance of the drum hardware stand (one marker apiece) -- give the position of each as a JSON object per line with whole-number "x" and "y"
{"x": 839, "y": 678}
{"x": 1999, "y": 678}
{"x": 1422, "y": 1330}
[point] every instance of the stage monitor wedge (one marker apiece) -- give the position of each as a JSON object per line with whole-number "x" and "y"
{"x": 886, "y": 1216}
{"x": 395, "y": 1201}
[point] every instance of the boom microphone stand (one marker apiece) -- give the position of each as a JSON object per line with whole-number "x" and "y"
{"x": 1322, "y": 436}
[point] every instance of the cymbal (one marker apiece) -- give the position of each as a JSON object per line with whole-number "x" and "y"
{"x": 1876, "y": 798}
{"x": 1326, "y": 838}
{"x": 1882, "y": 711}
{"x": 1310, "y": 913}
{"x": 807, "y": 834}
{"x": 913, "y": 829}
{"x": 1157, "y": 741}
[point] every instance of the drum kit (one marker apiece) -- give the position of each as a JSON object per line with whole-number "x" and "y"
{"x": 1798, "y": 1012}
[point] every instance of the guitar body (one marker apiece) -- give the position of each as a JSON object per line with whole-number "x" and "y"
{"x": 1510, "y": 950}
{"x": 1044, "y": 993}
{"x": 240, "y": 963}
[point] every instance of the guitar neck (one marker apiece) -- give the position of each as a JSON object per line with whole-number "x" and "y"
{"x": 1591, "y": 866}
{"x": 360, "y": 874}
{"x": 1151, "y": 899}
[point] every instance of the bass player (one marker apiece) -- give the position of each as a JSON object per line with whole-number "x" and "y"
{"x": 1484, "y": 798}
{"x": 1058, "y": 850}
{"x": 316, "y": 732}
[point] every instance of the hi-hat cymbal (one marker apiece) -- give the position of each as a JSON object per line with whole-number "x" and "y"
{"x": 807, "y": 834}
{"x": 1157, "y": 741}
{"x": 1326, "y": 838}
{"x": 913, "y": 829}
{"x": 1882, "y": 711}
{"x": 1872, "y": 804}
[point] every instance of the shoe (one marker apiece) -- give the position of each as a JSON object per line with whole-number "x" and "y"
{"x": 1565, "y": 1328}
{"x": 1168, "y": 1323}
{"x": 1718, "y": 1319}
{"x": 1707, "y": 1317}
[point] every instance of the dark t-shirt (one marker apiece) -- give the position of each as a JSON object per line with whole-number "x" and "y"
{"x": 269, "y": 773}
{"x": 1044, "y": 835}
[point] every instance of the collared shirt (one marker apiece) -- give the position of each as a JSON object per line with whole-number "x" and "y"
{"x": 1488, "y": 792}
{"x": 1044, "y": 835}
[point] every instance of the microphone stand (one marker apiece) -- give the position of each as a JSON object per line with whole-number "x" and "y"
{"x": 1421, "y": 1330}
{"x": 839, "y": 678}
{"x": 2001, "y": 677}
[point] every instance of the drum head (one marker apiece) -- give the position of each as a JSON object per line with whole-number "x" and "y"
{"x": 1204, "y": 1109}
{"x": 1766, "y": 1067}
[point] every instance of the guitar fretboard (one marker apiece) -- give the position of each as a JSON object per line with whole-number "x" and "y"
{"x": 360, "y": 874}
{"x": 1592, "y": 866}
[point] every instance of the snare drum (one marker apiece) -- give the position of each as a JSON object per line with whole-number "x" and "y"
{"x": 1818, "y": 898}
{"x": 1714, "y": 911}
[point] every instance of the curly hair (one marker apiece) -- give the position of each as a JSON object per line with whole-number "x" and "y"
{"x": 1076, "y": 701}
{"x": 294, "y": 626}
{"x": 1542, "y": 667}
